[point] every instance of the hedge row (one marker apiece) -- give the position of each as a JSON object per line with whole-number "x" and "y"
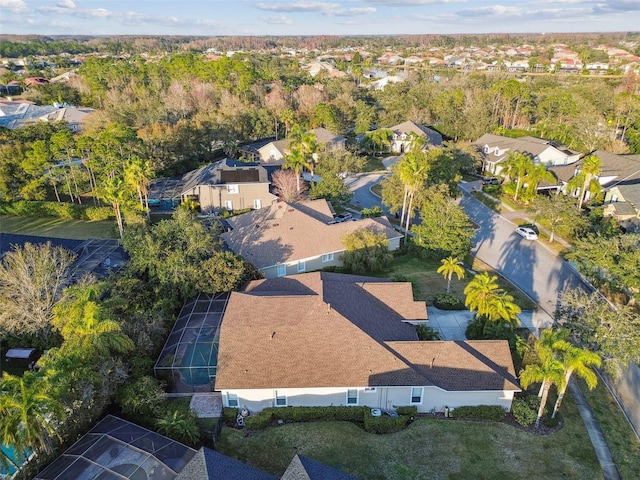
{"x": 481, "y": 412}
{"x": 384, "y": 424}
{"x": 269, "y": 416}
{"x": 27, "y": 208}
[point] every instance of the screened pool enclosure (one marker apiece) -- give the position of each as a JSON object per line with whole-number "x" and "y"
{"x": 189, "y": 358}
{"x": 117, "y": 449}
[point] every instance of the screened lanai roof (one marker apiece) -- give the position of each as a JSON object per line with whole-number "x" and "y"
{"x": 189, "y": 358}
{"x": 116, "y": 449}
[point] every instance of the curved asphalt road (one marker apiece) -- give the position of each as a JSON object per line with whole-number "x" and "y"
{"x": 530, "y": 265}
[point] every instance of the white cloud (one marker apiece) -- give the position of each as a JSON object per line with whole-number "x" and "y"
{"x": 297, "y": 6}
{"x": 324, "y": 8}
{"x": 276, "y": 20}
{"x": 14, "y": 6}
{"x": 411, "y": 3}
{"x": 66, "y": 4}
{"x": 352, "y": 12}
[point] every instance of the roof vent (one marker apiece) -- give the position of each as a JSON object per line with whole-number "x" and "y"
{"x": 273, "y": 334}
{"x": 433, "y": 360}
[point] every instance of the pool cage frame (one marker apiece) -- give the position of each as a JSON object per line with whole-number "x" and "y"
{"x": 188, "y": 361}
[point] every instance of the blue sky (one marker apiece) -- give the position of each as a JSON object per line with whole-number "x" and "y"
{"x": 307, "y": 17}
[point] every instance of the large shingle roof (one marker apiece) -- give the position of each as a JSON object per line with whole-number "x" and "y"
{"x": 408, "y": 127}
{"x": 284, "y": 232}
{"x": 331, "y": 330}
{"x": 530, "y": 146}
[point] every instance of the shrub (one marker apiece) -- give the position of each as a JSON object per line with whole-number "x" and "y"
{"x": 426, "y": 332}
{"x": 99, "y": 213}
{"x": 522, "y": 412}
{"x": 375, "y": 211}
{"x": 229, "y": 416}
{"x": 260, "y": 421}
{"x": 480, "y": 412}
{"x": 551, "y": 422}
{"x": 307, "y": 414}
{"x": 411, "y": 411}
{"x": 384, "y": 423}
{"x": 446, "y": 301}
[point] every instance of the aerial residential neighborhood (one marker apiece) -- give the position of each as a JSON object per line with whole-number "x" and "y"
{"x": 313, "y": 257}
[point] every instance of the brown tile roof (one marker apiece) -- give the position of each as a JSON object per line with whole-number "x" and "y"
{"x": 284, "y": 233}
{"x": 330, "y": 330}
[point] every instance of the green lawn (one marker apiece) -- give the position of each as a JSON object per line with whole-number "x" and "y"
{"x": 427, "y": 449}
{"x": 57, "y": 227}
{"x": 623, "y": 443}
{"x": 428, "y": 283}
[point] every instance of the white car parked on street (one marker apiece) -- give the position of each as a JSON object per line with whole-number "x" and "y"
{"x": 526, "y": 232}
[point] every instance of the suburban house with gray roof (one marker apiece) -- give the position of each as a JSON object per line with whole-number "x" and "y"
{"x": 495, "y": 150}
{"x": 404, "y": 132}
{"x": 323, "y": 339}
{"x": 228, "y": 184}
{"x": 285, "y": 239}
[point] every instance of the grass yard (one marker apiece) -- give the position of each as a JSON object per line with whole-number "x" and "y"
{"x": 57, "y": 227}
{"x": 427, "y": 449}
{"x": 428, "y": 283}
{"x": 373, "y": 164}
{"x": 623, "y": 443}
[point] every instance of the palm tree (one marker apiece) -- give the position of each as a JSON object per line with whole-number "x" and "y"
{"x": 449, "y": 267}
{"x": 413, "y": 170}
{"x": 586, "y": 180}
{"x": 548, "y": 371}
{"x": 138, "y": 175}
{"x": 380, "y": 138}
{"x": 295, "y": 160}
{"x": 516, "y": 167}
{"x": 27, "y": 412}
{"x": 81, "y": 318}
{"x": 180, "y": 426}
{"x": 580, "y": 361}
{"x": 481, "y": 293}
{"x": 114, "y": 190}
{"x": 535, "y": 175}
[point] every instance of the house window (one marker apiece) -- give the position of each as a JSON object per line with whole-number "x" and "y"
{"x": 257, "y": 204}
{"x": 352, "y": 397}
{"x": 486, "y": 149}
{"x": 416, "y": 395}
{"x": 327, "y": 257}
{"x": 281, "y": 400}
{"x": 282, "y": 270}
{"x": 228, "y": 204}
{"x": 233, "y": 189}
{"x": 302, "y": 266}
{"x": 232, "y": 400}
{"x": 614, "y": 198}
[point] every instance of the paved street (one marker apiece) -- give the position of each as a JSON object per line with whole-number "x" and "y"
{"x": 531, "y": 266}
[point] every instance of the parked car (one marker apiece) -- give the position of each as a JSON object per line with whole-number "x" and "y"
{"x": 343, "y": 217}
{"x": 490, "y": 181}
{"x": 527, "y": 233}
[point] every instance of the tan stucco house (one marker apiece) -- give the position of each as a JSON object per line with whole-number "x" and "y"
{"x": 285, "y": 239}
{"x": 322, "y": 339}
